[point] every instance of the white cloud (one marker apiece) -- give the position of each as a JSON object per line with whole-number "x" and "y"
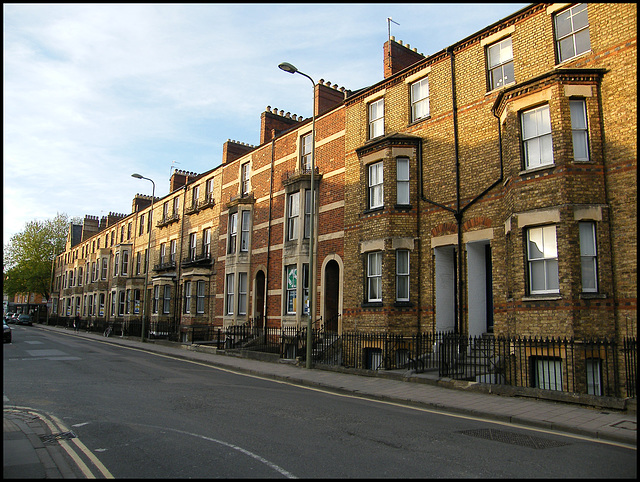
{"x": 94, "y": 92}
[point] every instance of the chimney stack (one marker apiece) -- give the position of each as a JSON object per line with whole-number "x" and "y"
{"x": 398, "y": 57}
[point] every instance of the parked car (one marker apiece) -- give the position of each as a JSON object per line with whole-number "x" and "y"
{"x": 12, "y": 317}
{"x": 6, "y": 333}
{"x": 24, "y": 320}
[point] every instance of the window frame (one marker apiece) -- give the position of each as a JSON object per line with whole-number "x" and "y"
{"x": 229, "y": 294}
{"x": 403, "y": 277}
{"x": 206, "y": 242}
{"x": 588, "y": 257}
{"x": 200, "y": 295}
{"x": 540, "y": 137}
{"x": 291, "y": 292}
{"x": 293, "y": 215}
{"x": 187, "y": 297}
{"x": 193, "y": 246}
{"x": 582, "y": 129}
{"x": 374, "y": 260}
{"x": 243, "y": 291}
{"x": 244, "y": 178}
{"x": 233, "y": 232}
{"x": 166, "y": 300}
{"x": 245, "y": 230}
{"x": 375, "y": 124}
{"x": 572, "y": 33}
{"x": 545, "y": 260}
{"x": 403, "y": 182}
{"x": 372, "y": 189}
{"x": 499, "y": 65}
{"x": 306, "y": 151}
{"x": 418, "y": 102}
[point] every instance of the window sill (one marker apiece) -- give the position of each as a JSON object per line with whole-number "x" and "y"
{"x": 498, "y": 89}
{"x": 418, "y": 121}
{"x": 535, "y": 170}
{"x": 572, "y": 59}
{"x": 543, "y": 297}
{"x": 403, "y": 304}
{"x": 373, "y": 210}
{"x": 372, "y": 304}
{"x": 403, "y": 207}
{"x": 592, "y": 296}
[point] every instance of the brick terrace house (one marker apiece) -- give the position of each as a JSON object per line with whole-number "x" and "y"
{"x": 486, "y": 188}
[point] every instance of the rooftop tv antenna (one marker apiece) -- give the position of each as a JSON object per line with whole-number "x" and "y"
{"x": 389, "y": 20}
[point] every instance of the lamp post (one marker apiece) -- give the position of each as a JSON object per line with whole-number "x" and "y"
{"x": 146, "y": 271}
{"x": 287, "y": 67}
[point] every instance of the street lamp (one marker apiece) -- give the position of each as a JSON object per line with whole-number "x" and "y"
{"x": 146, "y": 271}
{"x": 287, "y": 67}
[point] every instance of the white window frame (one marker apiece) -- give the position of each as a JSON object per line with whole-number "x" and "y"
{"x": 245, "y": 226}
{"x": 499, "y": 58}
{"x": 206, "y": 242}
{"x": 172, "y": 250}
{"x": 376, "y": 118}
{"x": 233, "y": 232}
{"x": 374, "y": 276}
{"x": 402, "y": 275}
{"x": 291, "y": 287}
{"x": 244, "y": 178}
{"x": 537, "y": 139}
{"x": 200, "y": 297}
{"x": 307, "y": 214}
{"x": 193, "y": 246}
{"x": 375, "y": 181}
{"x": 306, "y": 150}
{"x": 293, "y": 215}
{"x": 588, "y": 257}
{"x": 567, "y": 40}
{"x": 242, "y": 293}
{"x": 187, "y": 296}
{"x": 166, "y": 301}
{"x": 579, "y": 129}
{"x": 420, "y": 100}
{"x": 548, "y": 373}
{"x": 402, "y": 181}
{"x": 544, "y": 259}
{"x": 156, "y": 298}
{"x": 230, "y": 291}
{"x": 125, "y": 263}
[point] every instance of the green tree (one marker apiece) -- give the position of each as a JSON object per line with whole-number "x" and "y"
{"x": 29, "y": 255}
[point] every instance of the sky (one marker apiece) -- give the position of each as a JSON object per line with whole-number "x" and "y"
{"x": 95, "y": 92}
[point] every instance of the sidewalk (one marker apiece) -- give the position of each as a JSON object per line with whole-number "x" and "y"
{"x": 416, "y": 390}
{"x": 31, "y": 450}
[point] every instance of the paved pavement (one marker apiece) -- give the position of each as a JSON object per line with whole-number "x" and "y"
{"x": 34, "y": 447}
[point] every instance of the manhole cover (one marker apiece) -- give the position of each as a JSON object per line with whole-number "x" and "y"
{"x": 54, "y": 437}
{"x": 513, "y": 438}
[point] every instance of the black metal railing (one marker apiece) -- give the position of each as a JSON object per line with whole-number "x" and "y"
{"x": 599, "y": 367}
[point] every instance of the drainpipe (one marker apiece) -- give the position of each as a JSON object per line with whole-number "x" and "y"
{"x": 266, "y": 275}
{"x": 458, "y": 211}
{"x": 176, "y": 312}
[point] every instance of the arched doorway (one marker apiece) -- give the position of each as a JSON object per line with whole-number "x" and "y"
{"x": 259, "y": 300}
{"x": 331, "y": 295}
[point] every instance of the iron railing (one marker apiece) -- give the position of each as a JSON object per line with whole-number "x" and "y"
{"x": 599, "y": 367}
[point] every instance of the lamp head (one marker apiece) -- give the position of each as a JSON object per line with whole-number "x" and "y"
{"x": 136, "y": 175}
{"x": 287, "y": 67}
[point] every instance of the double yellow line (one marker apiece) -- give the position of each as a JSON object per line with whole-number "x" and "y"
{"x": 56, "y": 426}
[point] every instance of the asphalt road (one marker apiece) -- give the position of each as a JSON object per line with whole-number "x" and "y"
{"x": 149, "y": 416}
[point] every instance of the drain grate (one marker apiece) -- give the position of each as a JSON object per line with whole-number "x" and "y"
{"x": 54, "y": 437}
{"x": 514, "y": 438}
